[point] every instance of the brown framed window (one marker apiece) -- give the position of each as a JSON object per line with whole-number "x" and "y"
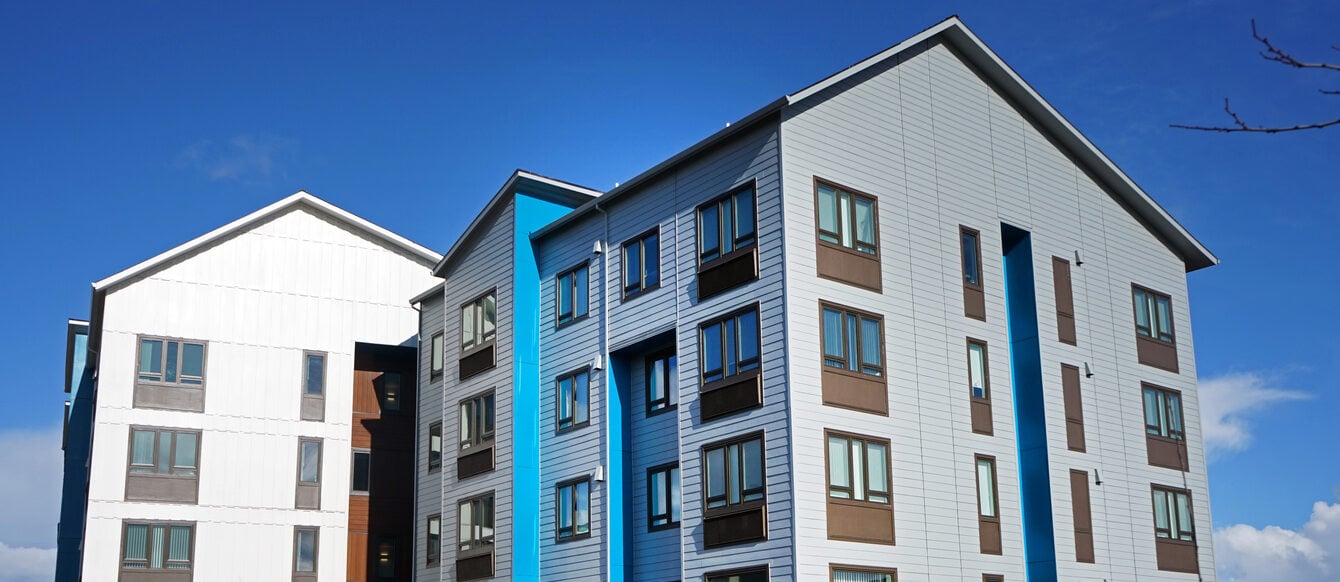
{"x": 308, "y": 494}
{"x": 748, "y": 574}
{"x": 988, "y": 504}
{"x": 163, "y": 465}
{"x": 642, "y": 263}
{"x": 1074, "y": 408}
{"x": 572, "y": 509}
{"x": 574, "y": 400}
{"x": 434, "y": 539}
{"x": 437, "y": 355}
{"x": 306, "y": 544}
{"x": 979, "y": 387}
{"x": 1174, "y": 529}
{"x": 361, "y": 472}
{"x": 663, "y": 497}
{"x": 1165, "y": 435}
{"x": 847, "y": 227}
{"x": 974, "y": 293}
{"x": 1082, "y": 516}
{"x": 313, "y": 386}
{"x": 727, "y": 241}
{"x": 170, "y": 374}
{"x": 1155, "y": 339}
{"x": 149, "y": 547}
{"x": 435, "y": 447}
{"x": 853, "y": 359}
{"x": 860, "y": 502}
{"x": 1065, "y": 301}
{"x": 845, "y": 573}
{"x": 572, "y": 300}
{"x": 662, "y": 382}
{"x": 730, "y": 361}
{"x": 734, "y": 473}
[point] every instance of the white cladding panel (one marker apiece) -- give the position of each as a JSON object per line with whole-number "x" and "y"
{"x": 299, "y": 281}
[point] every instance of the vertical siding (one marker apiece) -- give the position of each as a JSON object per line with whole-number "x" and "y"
{"x": 939, "y": 147}
{"x": 428, "y": 497}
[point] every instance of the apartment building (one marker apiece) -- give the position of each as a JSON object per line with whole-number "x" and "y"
{"x": 906, "y": 323}
{"x": 242, "y": 406}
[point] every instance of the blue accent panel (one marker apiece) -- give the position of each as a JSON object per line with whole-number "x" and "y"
{"x": 531, "y": 214}
{"x": 74, "y": 486}
{"x": 1030, "y": 419}
{"x": 620, "y": 468}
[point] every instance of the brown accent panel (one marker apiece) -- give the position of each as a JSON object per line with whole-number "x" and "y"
{"x": 981, "y": 416}
{"x": 169, "y": 397}
{"x": 1156, "y": 353}
{"x": 859, "y": 521}
{"x": 162, "y": 488}
{"x": 477, "y": 361}
{"x": 850, "y": 266}
{"x": 737, "y": 526}
{"x": 728, "y": 272}
{"x": 474, "y": 568}
{"x": 1079, "y": 499}
{"x": 1176, "y": 555}
{"x": 989, "y": 535}
{"x": 1065, "y": 301}
{"x": 974, "y": 302}
{"x": 356, "y": 568}
{"x": 1074, "y": 408}
{"x": 474, "y": 463}
{"x": 1166, "y": 452}
{"x": 734, "y": 394}
{"x": 855, "y": 391}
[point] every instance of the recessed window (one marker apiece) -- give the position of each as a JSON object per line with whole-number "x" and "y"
{"x": 572, "y": 506}
{"x": 435, "y": 446}
{"x": 734, "y": 473}
{"x": 726, "y": 225}
{"x": 730, "y": 346}
{"x": 1172, "y": 514}
{"x": 853, "y": 341}
{"x": 362, "y": 472}
{"x": 662, "y": 382}
{"x": 386, "y": 557}
{"x": 1163, "y": 413}
{"x": 172, "y": 361}
{"x": 434, "y": 549}
{"x": 475, "y": 524}
{"x": 389, "y": 389}
{"x": 573, "y": 301}
{"x": 1153, "y": 314}
{"x": 164, "y": 452}
{"x": 642, "y": 263}
{"x": 663, "y": 496}
{"x": 304, "y": 551}
{"x": 438, "y": 356}
{"x": 157, "y": 547}
{"x": 858, "y": 469}
{"x": 854, "y": 574}
{"x": 479, "y": 320}
{"x": 574, "y": 400}
{"x": 477, "y": 421}
{"x": 847, "y": 218}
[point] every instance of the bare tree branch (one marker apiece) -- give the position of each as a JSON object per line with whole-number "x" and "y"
{"x": 1240, "y": 126}
{"x": 1274, "y": 54}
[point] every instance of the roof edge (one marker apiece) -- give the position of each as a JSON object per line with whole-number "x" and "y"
{"x": 434, "y": 290}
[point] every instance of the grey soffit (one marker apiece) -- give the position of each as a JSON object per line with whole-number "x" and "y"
{"x": 953, "y": 32}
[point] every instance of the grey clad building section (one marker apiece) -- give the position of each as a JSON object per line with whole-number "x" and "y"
{"x": 877, "y": 365}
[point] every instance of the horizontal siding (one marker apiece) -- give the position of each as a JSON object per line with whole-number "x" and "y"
{"x": 428, "y": 491}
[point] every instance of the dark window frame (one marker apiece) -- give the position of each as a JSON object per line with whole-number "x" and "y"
{"x": 986, "y": 370}
{"x": 481, "y": 339}
{"x": 976, "y": 235}
{"x": 483, "y": 544}
{"x": 574, "y": 402}
{"x": 433, "y": 551}
{"x": 435, "y": 462}
{"x": 723, "y": 575}
{"x": 995, "y": 487}
{"x": 353, "y": 474}
{"x": 1166, "y": 396}
{"x": 437, "y": 354}
{"x": 1173, "y": 519}
{"x": 673, "y": 487}
{"x": 630, "y": 291}
{"x": 572, "y": 504}
{"x": 670, "y": 381}
{"x": 853, "y": 195}
{"x": 755, "y": 365}
{"x": 750, "y": 242}
{"x": 1148, "y": 331}
{"x": 316, "y": 551}
{"x": 739, "y": 471}
{"x": 833, "y": 570}
{"x": 583, "y": 268}
{"x": 865, "y": 467}
{"x": 479, "y": 436}
{"x": 148, "y": 550}
{"x": 162, "y": 381}
{"x": 849, "y": 352}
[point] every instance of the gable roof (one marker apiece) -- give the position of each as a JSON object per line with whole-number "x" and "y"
{"x": 953, "y": 32}
{"x": 301, "y": 198}
{"x": 558, "y": 191}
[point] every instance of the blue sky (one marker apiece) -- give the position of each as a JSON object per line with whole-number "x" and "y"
{"x": 128, "y": 128}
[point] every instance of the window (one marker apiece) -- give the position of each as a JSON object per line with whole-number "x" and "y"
{"x": 1153, "y": 314}
{"x": 662, "y": 383}
{"x": 1065, "y": 302}
{"x": 663, "y": 496}
{"x": 734, "y": 472}
{"x": 858, "y": 469}
{"x": 362, "y": 472}
{"x": 574, "y": 391}
{"x": 979, "y": 387}
{"x": 308, "y": 494}
{"x": 388, "y": 385}
{"x": 435, "y": 446}
{"x": 853, "y": 341}
{"x": 475, "y": 523}
{"x": 847, "y": 218}
{"x": 157, "y": 547}
{"x": 164, "y": 452}
{"x": 730, "y": 346}
{"x": 479, "y": 319}
{"x": 1172, "y": 514}
{"x": 434, "y": 550}
{"x": 304, "y": 550}
{"x": 438, "y": 355}
{"x": 386, "y": 558}
{"x": 974, "y": 293}
{"x": 1163, "y": 413}
{"x": 726, "y": 225}
{"x": 572, "y": 298}
{"x": 477, "y": 421}
{"x": 642, "y": 263}
{"x": 172, "y": 361}
{"x": 988, "y": 505}
{"x": 314, "y": 377}
{"x": 858, "y": 574}
{"x": 572, "y": 505}
{"x": 751, "y": 574}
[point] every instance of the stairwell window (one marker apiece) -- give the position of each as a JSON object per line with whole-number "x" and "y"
{"x": 663, "y": 496}
{"x": 161, "y": 546}
{"x": 642, "y": 263}
{"x": 574, "y": 400}
{"x": 573, "y": 301}
{"x": 572, "y": 506}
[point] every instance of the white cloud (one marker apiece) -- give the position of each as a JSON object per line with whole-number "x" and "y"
{"x": 1309, "y": 554}
{"x": 244, "y": 158}
{"x": 30, "y": 487}
{"x": 1227, "y": 401}
{"x": 26, "y": 564}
